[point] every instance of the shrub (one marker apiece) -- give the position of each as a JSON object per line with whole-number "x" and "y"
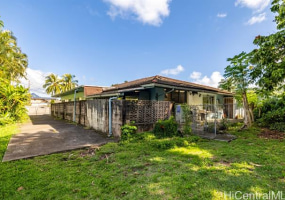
{"x": 279, "y": 126}
{"x": 5, "y": 119}
{"x": 168, "y": 143}
{"x": 223, "y": 125}
{"x": 166, "y": 128}
{"x": 187, "y": 116}
{"x": 13, "y": 100}
{"x": 127, "y": 131}
{"x": 272, "y": 113}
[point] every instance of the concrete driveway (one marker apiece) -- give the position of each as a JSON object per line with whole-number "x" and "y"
{"x": 45, "y": 135}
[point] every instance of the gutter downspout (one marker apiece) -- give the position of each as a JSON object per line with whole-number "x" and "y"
{"x": 170, "y": 91}
{"x": 110, "y": 115}
{"x": 74, "y": 107}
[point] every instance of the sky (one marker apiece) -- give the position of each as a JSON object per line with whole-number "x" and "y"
{"x": 104, "y": 42}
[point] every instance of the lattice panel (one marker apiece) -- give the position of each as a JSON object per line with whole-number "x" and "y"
{"x": 147, "y": 112}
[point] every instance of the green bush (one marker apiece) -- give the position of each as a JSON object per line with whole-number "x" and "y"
{"x": 168, "y": 143}
{"x": 223, "y": 125}
{"x": 5, "y": 119}
{"x": 279, "y": 126}
{"x": 166, "y": 128}
{"x": 127, "y": 131}
{"x": 272, "y": 113}
{"x": 13, "y": 100}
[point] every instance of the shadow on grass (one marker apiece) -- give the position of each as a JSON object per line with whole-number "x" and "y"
{"x": 140, "y": 170}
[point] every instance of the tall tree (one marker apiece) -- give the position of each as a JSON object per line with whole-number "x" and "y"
{"x": 68, "y": 82}
{"x": 13, "y": 62}
{"x": 52, "y": 84}
{"x": 269, "y": 57}
{"x": 237, "y": 79}
{"x": 278, "y": 7}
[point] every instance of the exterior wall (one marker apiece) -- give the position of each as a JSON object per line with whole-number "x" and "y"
{"x": 157, "y": 94}
{"x": 70, "y": 97}
{"x": 144, "y": 95}
{"x": 194, "y": 99}
{"x": 197, "y": 99}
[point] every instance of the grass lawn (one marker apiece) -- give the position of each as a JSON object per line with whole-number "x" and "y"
{"x": 148, "y": 168}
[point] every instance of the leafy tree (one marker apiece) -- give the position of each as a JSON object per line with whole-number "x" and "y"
{"x": 68, "y": 82}
{"x": 52, "y": 84}
{"x": 269, "y": 61}
{"x": 278, "y": 7}
{"x": 269, "y": 57}
{"x": 237, "y": 79}
{"x": 13, "y": 64}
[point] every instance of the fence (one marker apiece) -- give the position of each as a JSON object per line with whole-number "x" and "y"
{"x": 38, "y": 110}
{"x": 94, "y": 113}
{"x": 211, "y": 119}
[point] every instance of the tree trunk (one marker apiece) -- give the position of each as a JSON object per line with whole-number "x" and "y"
{"x": 248, "y": 118}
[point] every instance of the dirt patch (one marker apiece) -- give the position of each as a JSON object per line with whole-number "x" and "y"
{"x": 271, "y": 134}
{"x": 224, "y": 163}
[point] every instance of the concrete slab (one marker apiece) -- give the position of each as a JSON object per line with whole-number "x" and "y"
{"x": 45, "y": 135}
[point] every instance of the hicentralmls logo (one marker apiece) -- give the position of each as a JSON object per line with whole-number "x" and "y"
{"x": 278, "y": 195}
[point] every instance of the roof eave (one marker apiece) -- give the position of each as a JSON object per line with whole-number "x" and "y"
{"x": 102, "y": 95}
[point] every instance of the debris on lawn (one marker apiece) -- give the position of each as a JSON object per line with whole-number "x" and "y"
{"x": 106, "y": 156}
{"x": 89, "y": 152}
{"x": 254, "y": 164}
{"x": 20, "y": 188}
{"x": 271, "y": 134}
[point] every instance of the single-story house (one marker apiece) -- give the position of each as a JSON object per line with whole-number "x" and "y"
{"x": 161, "y": 88}
{"x": 80, "y": 92}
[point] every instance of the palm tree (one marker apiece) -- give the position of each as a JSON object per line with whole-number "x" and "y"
{"x": 68, "y": 82}
{"x": 53, "y": 84}
{"x": 13, "y": 62}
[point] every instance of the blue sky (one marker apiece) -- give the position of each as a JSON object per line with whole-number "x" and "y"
{"x": 109, "y": 41}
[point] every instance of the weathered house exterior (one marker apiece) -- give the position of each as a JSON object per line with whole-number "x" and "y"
{"x": 159, "y": 88}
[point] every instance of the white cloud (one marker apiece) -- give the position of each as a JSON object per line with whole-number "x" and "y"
{"x": 35, "y": 79}
{"x": 195, "y": 75}
{"x": 174, "y": 71}
{"x": 222, "y": 15}
{"x": 146, "y": 11}
{"x": 257, "y": 19}
{"x": 212, "y": 81}
{"x": 256, "y": 5}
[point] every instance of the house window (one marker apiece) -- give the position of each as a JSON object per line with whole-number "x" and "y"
{"x": 178, "y": 96}
{"x": 208, "y": 103}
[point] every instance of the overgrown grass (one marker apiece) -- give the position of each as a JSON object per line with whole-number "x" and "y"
{"x": 150, "y": 168}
